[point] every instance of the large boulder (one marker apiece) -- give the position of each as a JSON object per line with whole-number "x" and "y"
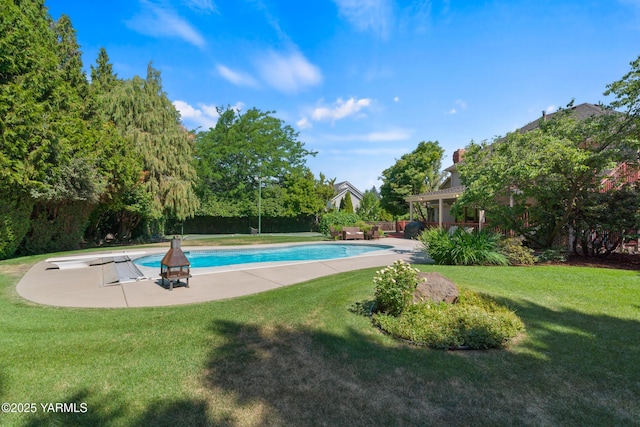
{"x": 435, "y": 287}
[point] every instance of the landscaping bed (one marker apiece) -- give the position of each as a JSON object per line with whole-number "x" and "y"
{"x": 614, "y": 260}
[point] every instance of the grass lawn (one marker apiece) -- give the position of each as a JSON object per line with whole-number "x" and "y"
{"x": 302, "y": 355}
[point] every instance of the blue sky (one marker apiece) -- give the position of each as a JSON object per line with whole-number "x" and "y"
{"x": 365, "y": 81}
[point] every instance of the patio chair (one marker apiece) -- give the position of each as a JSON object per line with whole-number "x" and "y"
{"x": 374, "y": 233}
{"x": 333, "y": 233}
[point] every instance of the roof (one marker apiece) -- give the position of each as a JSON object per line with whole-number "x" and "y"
{"x": 175, "y": 258}
{"x": 579, "y": 112}
{"x": 344, "y": 186}
{"x": 454, "y": 192}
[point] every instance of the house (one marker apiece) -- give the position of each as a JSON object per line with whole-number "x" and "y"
{"x": 341, "y": 190}
{"x": 434, "y": 207}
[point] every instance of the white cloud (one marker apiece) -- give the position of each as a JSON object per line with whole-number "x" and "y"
{"x": 236, "y": 77}
{"x": 304, "y": 123}
{"x": 550, "y": 109}
{"x": 461, "y": 105}
{"x": 386, "y": 136}
{"x": 416, "y": 16}
{"x": 206, "y": 6}
{"x": 160, "y": 21}
{"x": 205, "y": 117}
{"x": 393, "y": 135}
{"x": 397, "y": 151}
{"x": 341, "y": 109}
{"x": 367, "y": 15}
{"x": 396, "y": 99}
{"x": 289, "y": 73}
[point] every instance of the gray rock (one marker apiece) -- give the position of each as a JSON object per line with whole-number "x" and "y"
{"x": 435, "y": 287}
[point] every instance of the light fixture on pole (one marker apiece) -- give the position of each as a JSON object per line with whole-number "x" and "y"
{"x": 259, "y": 204}
{"x": 259, "y": 198}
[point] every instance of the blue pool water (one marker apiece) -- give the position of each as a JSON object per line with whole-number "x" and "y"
{"x": 222, "y": 257}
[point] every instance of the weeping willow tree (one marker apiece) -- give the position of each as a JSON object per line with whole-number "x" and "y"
{"x": 153, "y": 136}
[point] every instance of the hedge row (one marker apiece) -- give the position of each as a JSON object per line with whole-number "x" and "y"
{"x": 226, "y": 225}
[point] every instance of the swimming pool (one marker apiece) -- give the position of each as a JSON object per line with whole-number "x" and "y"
{"x": 223, "y": 257}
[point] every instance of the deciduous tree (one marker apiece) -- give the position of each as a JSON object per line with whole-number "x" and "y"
{"x": 536, "y": 183}
{"x": 150, "y": 125}
{"x": 413, "y": 173}
{"x": 243, "y": 151}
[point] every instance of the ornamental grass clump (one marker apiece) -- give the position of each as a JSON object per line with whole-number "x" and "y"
{"x": 462, "y": 247}
{"x": 395, "y": 286}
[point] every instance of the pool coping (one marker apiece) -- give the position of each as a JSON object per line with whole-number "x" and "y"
{"x": 85, "y": 287}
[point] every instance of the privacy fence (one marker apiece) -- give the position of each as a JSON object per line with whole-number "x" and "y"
{"x": 226, "y": 225}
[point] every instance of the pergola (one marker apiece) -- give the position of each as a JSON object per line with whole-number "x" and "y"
{"x": 446, "y": 196}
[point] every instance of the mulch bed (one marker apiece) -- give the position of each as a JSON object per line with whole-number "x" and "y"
{"x": 615, "y": 260}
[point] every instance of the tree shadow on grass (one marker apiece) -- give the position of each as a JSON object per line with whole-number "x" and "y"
{"x": 84, "y": 408}
{"x": 564, "y": 372}
{"x": 571, "y": 368}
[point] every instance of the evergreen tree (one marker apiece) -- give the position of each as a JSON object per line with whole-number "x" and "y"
{"x": 103, "y": 79}
{"x": 150, "y": 124}
{"x": 47, "y": 161}
{"x": 125, "y": 202}
{"x": 348, "y": 203}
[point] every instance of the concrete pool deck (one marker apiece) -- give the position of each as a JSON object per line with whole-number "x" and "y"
{"x": 86, "y": 287}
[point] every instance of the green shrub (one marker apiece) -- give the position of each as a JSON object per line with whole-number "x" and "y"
{"x": 335, "y": 219}
{"x": 462, "y": 247}
{"x": 516, "y": 252}
{"x": 363, "y": 225}
{"x": 553, "y": 255}
{"x": 475, "y": 322}
{"x": 395, "y": 286}
{"x": 15, "y": 213}
{"x": 56, "y": 227}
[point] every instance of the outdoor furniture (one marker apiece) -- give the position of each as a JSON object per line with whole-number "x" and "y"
{"x": 175, "y": 265}
{"x": 352, "y": 233}
{"x": 333, "y": 233}
{"x": 374, "y": 233}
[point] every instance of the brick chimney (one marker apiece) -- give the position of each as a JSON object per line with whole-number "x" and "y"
{"x": 458, "y": 155}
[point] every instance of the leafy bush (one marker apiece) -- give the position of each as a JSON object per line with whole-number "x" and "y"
{"x": 476, "y": 322}
{"x": 363, "y": 225}
{"x": 516, "y": 252}
{"x": 342, "y": 219}
{"x": 553, "y": 255}
{"x": 56, "y": 227}
{"x": 462, "y": 247}
{"x": 395, "y": 286}
{"x": 14, "y": 222}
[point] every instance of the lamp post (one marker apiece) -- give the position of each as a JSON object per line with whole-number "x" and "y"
{"x": 259, "y": 204}
{"x": 259, "y": 197}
